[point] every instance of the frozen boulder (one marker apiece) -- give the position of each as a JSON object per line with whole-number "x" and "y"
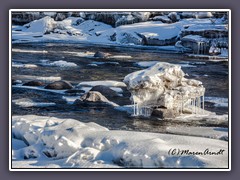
{"x": 59, "y": 85}
{"x": 163, "y": 85}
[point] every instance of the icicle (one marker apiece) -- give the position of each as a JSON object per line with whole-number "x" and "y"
{"x": 134, "y": 109}
{"x": 182, "y": 105}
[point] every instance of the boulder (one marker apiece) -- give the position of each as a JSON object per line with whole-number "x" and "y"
{"x": 59, "y": 85}
{"x": 104, "y": 90}
{"x": 93, "y": 98}
{"x": 34, "y": 83}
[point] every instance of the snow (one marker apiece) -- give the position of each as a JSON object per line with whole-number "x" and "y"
{"x": 41, "y": 78}
{"x": 145, "y": 64}
{"x": 59, "y": 63}
{"x": 104, "y": 83}
{"x": 218, "y": 101}
{"x": 209, "y": 132}
{"x": 102, "y": 63}
{"x": 39, "y": 89}
{"x": 21, "y": 65}
{"x": 42, "y": 26}
{"x": 29, "y": 103}
{"x": 28, "y": 51}
{"x": 68, "y": 143}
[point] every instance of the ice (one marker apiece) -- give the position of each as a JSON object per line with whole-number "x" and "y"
{"x": 163, "y": 85}
{"x": 40, "y": 78}
{"x": 59, "y": 63}
{"x": 28, "y": 51}
{"x": 29, "y": 103}
{"x": 68, "y": 143}
{"x": 208, "y": 132}
{"x": 105, "y": 83}
{"x": 20, "y": 65}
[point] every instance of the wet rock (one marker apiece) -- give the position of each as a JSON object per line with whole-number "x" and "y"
{"x": 34, "y": 83}
{"x": 104, "y": 90}
{"x": 93, "y": 98}
{"x": 100, "y": 54}
{"x": 59, "y": 85}
{"x": 165, "y": 113}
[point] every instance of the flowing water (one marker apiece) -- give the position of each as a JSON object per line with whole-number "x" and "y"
{"x": 214, "y": 76}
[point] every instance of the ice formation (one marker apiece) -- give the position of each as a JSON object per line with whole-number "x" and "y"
{"x": 164, "y": 86}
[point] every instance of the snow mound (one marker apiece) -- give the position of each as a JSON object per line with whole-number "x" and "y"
{"x": 68, "y": 143}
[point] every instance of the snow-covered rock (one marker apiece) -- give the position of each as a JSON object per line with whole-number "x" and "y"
{"x": 43, "y": 26}
{"x": 163, "y": 85}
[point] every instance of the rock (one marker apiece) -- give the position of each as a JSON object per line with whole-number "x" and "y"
{"x": 93, "y": 98}
{"x": 100, "y": 54}
{"x": 165, "y": 113}
{"x": 113, "y": 37}
{"x": 34, "y": 83}
{"x": 104, "y": 90}
{"x": 59, "y": 85}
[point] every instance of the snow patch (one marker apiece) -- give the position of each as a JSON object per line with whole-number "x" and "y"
{"x": 105, "y": 83}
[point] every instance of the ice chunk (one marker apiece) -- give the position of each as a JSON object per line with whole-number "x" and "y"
{"x": 162, "y": 85}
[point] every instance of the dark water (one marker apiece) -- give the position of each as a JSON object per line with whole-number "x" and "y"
{"x": 214, "y": 76}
